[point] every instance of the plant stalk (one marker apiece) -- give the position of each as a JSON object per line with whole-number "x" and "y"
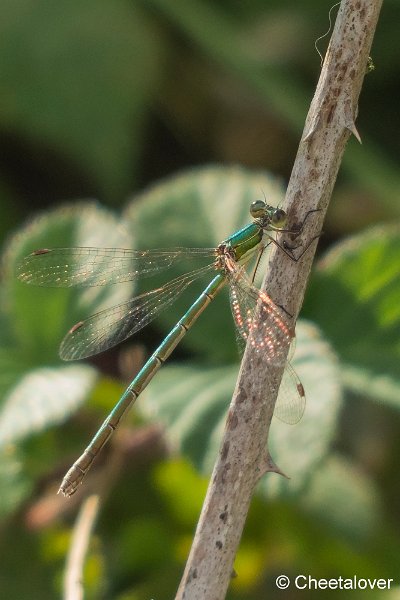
{"x": 243, "y": 456}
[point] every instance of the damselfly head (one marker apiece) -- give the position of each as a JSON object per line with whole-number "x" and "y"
{"x": 258, "y": 209}
{"x": 278, "y": 218}
{"x": 270, "y": 214}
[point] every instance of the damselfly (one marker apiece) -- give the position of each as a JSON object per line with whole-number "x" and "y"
{"x": 270, "y": 335}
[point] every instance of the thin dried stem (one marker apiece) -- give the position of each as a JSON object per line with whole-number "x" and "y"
{"x": 73, "y": 586}
{"x": 243, "y": 457}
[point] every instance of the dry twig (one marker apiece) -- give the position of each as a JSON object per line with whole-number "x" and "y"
{"x": 73, "y": 586}
{"x": 243, "y": 457}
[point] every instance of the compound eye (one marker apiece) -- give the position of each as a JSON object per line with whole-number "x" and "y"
{"x": 257, "y": 208}
{"x": 279, "y": 218}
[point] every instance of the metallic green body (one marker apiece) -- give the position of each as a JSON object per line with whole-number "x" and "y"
{"x": 245, "y": 241}
{"x": 242, "y": 244}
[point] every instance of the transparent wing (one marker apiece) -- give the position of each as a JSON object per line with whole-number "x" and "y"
{"x": 291, "y": 401}
{"x": 87, "y": 267}
{"x": 272, "y": 337}
{"x": 265, "y": 326}
{"x": 111, "y": 326}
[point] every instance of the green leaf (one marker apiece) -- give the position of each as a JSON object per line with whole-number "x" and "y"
{"x": 340, "y": 494}
{"x": 14, "y": 485}
{"x": 200, "y": 208}
{"x": 42, "y": 316}
{"x": 193, "y": 403}
{"x": 42, "y": 398}
{"x": 35, "y": 320}
{"x": 354, "y": 297}
{"x": 299, "y": 449}
{"x": 77, "y": 76}
{"x": 369, "y": 384}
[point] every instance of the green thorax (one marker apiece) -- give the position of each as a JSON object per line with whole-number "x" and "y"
{"x": 245, "y": 240}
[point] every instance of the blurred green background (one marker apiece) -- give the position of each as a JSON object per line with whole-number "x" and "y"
{"x": 129, "y": 103}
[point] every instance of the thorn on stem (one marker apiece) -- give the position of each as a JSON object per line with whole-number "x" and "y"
{"x": 269, "y": 466}
{"x": 352, "y": 127}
